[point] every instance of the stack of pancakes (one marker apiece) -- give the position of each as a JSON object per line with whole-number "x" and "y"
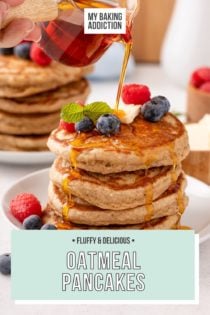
{"x": 133, "y": 180}
{"x": 31, "y": 97}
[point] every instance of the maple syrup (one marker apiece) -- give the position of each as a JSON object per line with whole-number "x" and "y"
{"x": 183, "y": 227}
{"x": 149, "y": 202}
{"x": 73, "y": 174}
{"x": 64, "y": 40}
{"x": 174, "y": 159}
{"x": 65, "y": 211}
{"x": 180, "y": 201}
{"x": 128, "y": 47}
{"x": 65, "y": 185}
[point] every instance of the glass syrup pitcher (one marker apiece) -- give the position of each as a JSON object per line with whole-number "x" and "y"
{"x": 63, "y": 37}
{"x": 62, "y": 25}
{"x": 64, "y": 40}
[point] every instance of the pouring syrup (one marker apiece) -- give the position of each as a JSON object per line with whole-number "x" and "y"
{"x": 64, "y": 40}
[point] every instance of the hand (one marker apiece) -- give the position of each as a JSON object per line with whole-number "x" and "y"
{"x": 18, "y": 29}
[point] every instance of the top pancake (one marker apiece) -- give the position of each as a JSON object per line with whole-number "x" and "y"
{"x": 19, "y": 77}
{"x": 140, "y": 145}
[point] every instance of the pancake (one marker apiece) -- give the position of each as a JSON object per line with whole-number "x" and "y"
{"x": 171, "y": 202}
{"x": 47, "y": 102}
{"x": 114, "y": 191}
{"x": 140, "y": 145}
{"x": 163, "y": 223}
{"x": 36, "y": 124}
{"x": 20, "y": 78}
{"x": 23, "y": 143}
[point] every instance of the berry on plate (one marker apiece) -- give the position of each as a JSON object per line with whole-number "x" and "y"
{"x": 108, "y": 124}
{"x": 155, "y": 109}
{"x": 39, "y": 56}
{"x": 5, "y": 264}
{"x": 24, "y": 205}
{"x": 70, "y": 127}
{"x": 85, "y": 125}
{"x": 23, "y": 50}
{"x": 205, "y": 87}
{"x": 48, "y": 226}
{"x": 33, "y": 222}
{"x": 136, "y": 94}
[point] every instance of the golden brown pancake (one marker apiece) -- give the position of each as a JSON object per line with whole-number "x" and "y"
{"x": 140, "y": 145}
{"x": 20, "y": 78}
{"x": 23, "y": 143}
{"x": 163, "y": 223}
{"x": 77, "y": 211}
{"x": 116, "y": 191}
{"x": 49, "y": 101}
{"x": 36, "y": 124}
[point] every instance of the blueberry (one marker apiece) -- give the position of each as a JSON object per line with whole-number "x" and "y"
{"x": 6, "y": 51}
{"x": 33, "y": 222}
{"x": 163, "y": 101}
{"x": 5, "y": 264}
{"x": 85, "y": 125}
{"x": 23, "y": 50}
{"x": 108, "y": 124}
{"x": 48, "y": 227}
{"x": 155, "y": 109}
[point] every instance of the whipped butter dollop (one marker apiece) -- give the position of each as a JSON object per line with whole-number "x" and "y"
{"x": 127, "y": 113}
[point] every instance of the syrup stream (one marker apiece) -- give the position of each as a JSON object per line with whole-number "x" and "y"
{"x": 149, "y": 202}
{"x": 128, "y": 47}
{"x": 80, "y": 4}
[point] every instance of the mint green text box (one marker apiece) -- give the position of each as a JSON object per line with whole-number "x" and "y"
{"x": 166, "y": 259}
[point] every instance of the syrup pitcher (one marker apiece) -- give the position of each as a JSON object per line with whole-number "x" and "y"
{"x": 62, "y": 25}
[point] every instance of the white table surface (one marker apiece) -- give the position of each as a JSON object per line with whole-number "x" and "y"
{"x": 159, "y": 84}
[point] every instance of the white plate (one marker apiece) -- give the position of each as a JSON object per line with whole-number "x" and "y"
{"x": 197, "y": 215}
{"x": 11, "y": 157}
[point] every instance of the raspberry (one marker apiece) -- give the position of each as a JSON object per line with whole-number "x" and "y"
{"x": 205, "y": 87}
{"x": 39, "y": 56}
{"x": 24, "y": 205}
{"x": 195, "y": 80}
{"x": 204, "y": 74}
{"x": 135, "y": 94}
{"x": 200, "y": 76}
{"x": 70, "y": 127}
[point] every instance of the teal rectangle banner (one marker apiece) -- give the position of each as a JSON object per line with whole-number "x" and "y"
{"x": 104, "y": 265}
